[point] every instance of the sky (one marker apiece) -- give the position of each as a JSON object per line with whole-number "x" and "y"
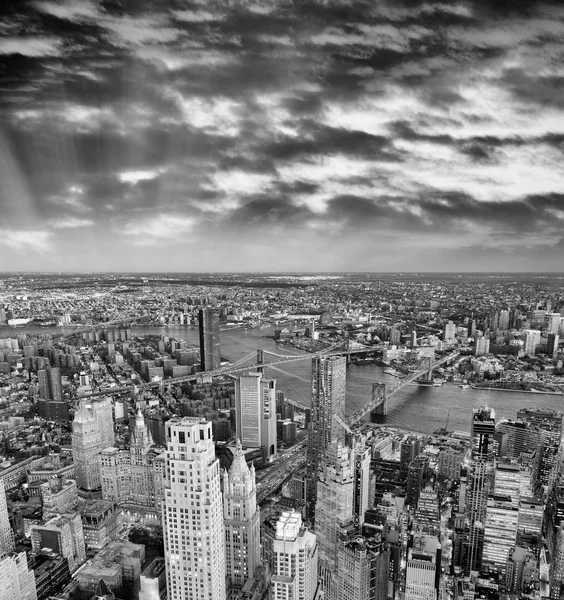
{"x": 281, "y": 135}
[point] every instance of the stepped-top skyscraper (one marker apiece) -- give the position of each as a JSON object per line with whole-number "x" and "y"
{"x": 210, "y": 354}
{"x": 194, "y": 534}
{"x": 328, "y": 390}
{"x": 242, "y": 521}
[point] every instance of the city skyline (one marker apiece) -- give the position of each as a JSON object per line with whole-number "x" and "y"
{"x": 402, "y": 136}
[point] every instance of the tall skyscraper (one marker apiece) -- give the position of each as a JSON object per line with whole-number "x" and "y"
{"x": 210, "y": 354}
{"x": 255, "y": 406}
{"x": 241, "y": 516}
{"x": 86, "y": 446}
{"x": 480, "y": 479}
{"x": 361, "y": 489}
{"x": 18, "y": 581}
{"x": 363, "y": 568}
{"x": 334, "y": 512}
{"x": 552, "y": 344}
{"x": 103, "y": 411}
{"x": 549, "y": 424}
{"x": 294, "y": 556}
{"x": 194, "y": 534}
{"x": 50, "y": 384}
{"x": 328, "y": 390}
{"x": 6, "y": 534}
{"x": 449, "y": 332}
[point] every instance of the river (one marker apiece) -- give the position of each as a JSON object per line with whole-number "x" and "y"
{"x": 419, "y": 408}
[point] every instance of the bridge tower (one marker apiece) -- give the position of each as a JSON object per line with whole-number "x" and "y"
{"x": 378, "y": 414}
{"x": 260, "y": 360}
{"x": 427, "y": 363}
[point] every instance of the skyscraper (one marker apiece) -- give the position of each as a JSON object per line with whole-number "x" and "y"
{"x": 6, "y": 533}
{"x": 18, "y": 581}
{"x": 549, "y": 424}
{"x": 194, "y": 534}
{"x": 255, "y": 405}
{"x": 242, "y": 521}
{"x": 334, "y": 511}
{"x": 328, "y": 389}
{"x": 210, "y": 354}
{"x": 480, "y": 479}
{"x": 50, "y": 384}
{"x": 361, "y": 488}
{"x": 86, "y": 446}
{"x": 294, "y": 556}
{"x": 500, "y": 533}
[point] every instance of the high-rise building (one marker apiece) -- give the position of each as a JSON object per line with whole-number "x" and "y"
{"x": 50, "y": 384}
{"x": 6, "y": 534}
{"x": 328, "y": 390}
{"x": 363, "y": 568}
{"x": 128, "y": 475}
{"x": 531, "y": 339}
{"x": 500, "y": 533}
{"x": 86, "y": 446}
{"x": 549, "y": 424}
{"x": 241, "y": 516}
{"x": 194, "y": 534}
{"x": 482, "y": 346}
{"x": 210, "y": 353}
{"x": 504, "y": 320}
{"x": 553, "y": 322}
{"x": 423, "y": 567}
{"x": 334, "y": 511}
{"x": 449, "y": 332}
{"x": 255, "y": 410}
{"x": 102, "y": 409}
{"x": 64, "y": 535}
{"x": 18, "y": 581}
{"x": 361, "y": 489}
{"x": 552, "y": 344}
{"x": 294, "y": 557}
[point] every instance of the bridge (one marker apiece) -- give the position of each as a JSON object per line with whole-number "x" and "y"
{"x": 114, "y": 322}
{"x": 377, "y": 399}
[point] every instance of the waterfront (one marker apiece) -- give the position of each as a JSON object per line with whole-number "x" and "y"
{"x": 420, "y": 408}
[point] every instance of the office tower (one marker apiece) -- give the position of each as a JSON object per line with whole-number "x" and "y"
{"x": 86, "y": 446}
{"x": 18, "y": 581}
{"x": 50, "y": 384}
{"x": 210, "y": 354}
{"x": 552, "y": 344}
{"x": 500, "y": 533}
{"x": 413, "y": 338}
{"x": 294, "y": 557}
{"x": 6, "y": 534}
{"x": 410, "y": 447}
{"x": 64, "y": 535}
{"x": 480, "y": 479}
{"x": 255, "y": 406}
{"x": 328, "y": 388}
{"x": 482, "y": 346}
{"x": 482, "y": 432}
{"x": 471, "y": 328}
{"x": 363, "y": 568}
{"x": 361, "y": 490}
{"x": 423, "y": 568}
{"x": 508, "y": 481}
{"x": 522, "y": 570}
{"x": 552, "y": 322}
{"x": 334, "y": 511}
{"x": 449, "y": 332}
{"x": 194, "y": 534}
{"x": 504, "y": 320}
{"x": 549, "y": 424}
{"x": 241, "y": 517}
{"x": 531, "y": 514}
{"x": 531, "y": 339}
{"x": 521, "y": 437}
{"x": 427, "y": 515}
{"x": 416, "y": 479}
{"x": 103, "y": 411}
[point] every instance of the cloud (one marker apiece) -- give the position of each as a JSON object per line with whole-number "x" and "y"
{"x": 159, "y": 228}
{"x": 31, "y": 46}
{"x": 134, "y": 177}
{"x": 70, "y": 223}
{"x": 24, "y": 240}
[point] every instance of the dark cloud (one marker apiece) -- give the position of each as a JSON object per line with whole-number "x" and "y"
{"x": 308, "y": 117}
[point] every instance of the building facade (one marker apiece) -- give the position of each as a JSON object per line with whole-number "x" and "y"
{"x": 194, "y": 534}
{"x": 210, "y": 353}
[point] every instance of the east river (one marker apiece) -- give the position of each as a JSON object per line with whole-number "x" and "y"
{"x": 419, "y": 408}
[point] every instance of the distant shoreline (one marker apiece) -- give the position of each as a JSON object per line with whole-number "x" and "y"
{"x": 499, "y": 389}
